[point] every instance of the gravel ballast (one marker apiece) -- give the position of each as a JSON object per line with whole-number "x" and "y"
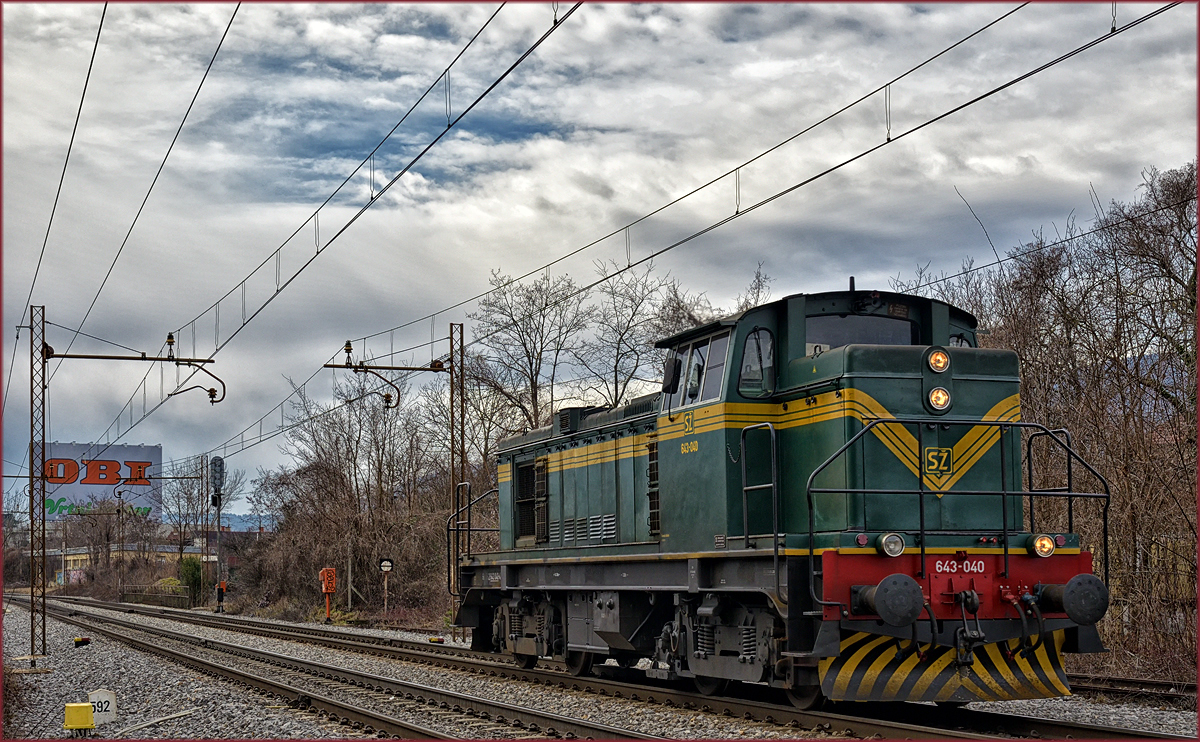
{"x": 148, "y": 687}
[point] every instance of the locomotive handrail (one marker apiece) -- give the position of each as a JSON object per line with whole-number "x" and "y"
{"x": 455, "y": 525}
{"x": 1071, "y": 456}
{"x": 774, "y": 487}
{"x": 1039, "y": 431}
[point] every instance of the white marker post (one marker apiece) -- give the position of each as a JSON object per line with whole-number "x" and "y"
{"x": 104, "y": 706}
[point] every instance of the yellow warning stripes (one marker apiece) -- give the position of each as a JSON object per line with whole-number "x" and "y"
{"x": 870, "y": 668}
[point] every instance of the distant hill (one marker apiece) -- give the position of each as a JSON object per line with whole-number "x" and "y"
{"x": 246, "y": 522}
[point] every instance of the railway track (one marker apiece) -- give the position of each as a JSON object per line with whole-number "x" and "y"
{"x": 864, "y": 720}
{"x": 365, "y": 701}
{"x": 1170, "y": 691}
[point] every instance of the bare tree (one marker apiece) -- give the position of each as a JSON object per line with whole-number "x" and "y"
{"x": 529, "y": 331}
{"x": 1104, "y": 322}
{"x": 758, "y": 292}
{"x": 682, "y": 310}
{"x": 621, "y": 350}
{"x": 184, "y": 504}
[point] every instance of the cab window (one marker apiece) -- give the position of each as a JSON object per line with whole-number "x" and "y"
{"x": 756, "y": 377}
{"x": 693, "y": 374}
{"x": 827, "y": 331}
{"x": 702, "y": 369}
{"x": 716, "y": 367}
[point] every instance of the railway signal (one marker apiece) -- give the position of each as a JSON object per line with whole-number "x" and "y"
{"x": 328, "y": 577}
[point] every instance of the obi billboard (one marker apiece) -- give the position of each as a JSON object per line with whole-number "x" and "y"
{"x": 82, "y": 476}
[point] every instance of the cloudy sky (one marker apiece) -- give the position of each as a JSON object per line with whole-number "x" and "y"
{"x": 621, "y": 110}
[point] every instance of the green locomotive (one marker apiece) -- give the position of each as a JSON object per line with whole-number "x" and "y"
{"x": 826, "y": 497}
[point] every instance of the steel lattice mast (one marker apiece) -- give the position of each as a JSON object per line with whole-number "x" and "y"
{"x": 37, "y": 484}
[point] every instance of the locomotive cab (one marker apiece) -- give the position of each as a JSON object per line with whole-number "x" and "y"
{"x": 828, "y": 495}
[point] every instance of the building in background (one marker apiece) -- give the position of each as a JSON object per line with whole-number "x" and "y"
{"x": 80, "y": 476}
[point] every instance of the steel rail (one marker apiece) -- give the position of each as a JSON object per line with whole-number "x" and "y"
{"x": 296, "y": 697}
{"x": 995, "y": 722}
{"x": 899, "y": 720}
{"x": 507, "y": 716}
{"x": 1173, "y": 690}
{"x": 465, "y": 660}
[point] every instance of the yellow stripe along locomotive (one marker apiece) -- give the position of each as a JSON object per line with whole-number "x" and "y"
{"x": 827, "y": 496}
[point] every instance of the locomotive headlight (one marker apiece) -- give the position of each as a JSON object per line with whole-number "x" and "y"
{"x": 1041, "y": 544}
{"x": 939, "y": 361}
{"x": 891, "y": 544}
{"x": 939, "y": 398}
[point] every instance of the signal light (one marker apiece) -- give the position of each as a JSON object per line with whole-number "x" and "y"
{"x": 939, "y": 361}
{"x": 1041, "y": 544}
{"x": 891, "y": 544}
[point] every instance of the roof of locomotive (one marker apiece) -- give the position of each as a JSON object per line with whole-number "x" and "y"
{"x": 959, "y": 316}
{"x": 591, "y": 420}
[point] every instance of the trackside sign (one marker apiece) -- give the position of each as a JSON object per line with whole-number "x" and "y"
{"x": 84, "y": 478}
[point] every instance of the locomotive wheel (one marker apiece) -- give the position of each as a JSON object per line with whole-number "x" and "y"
{"x": 525, "y": 661}
{"x": 707, "y": 686}
{"x": 805, "y": 697}
{"x": 579, "y": 663}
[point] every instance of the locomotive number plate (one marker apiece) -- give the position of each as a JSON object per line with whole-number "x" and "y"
{"x": 955, "y": 567}
{"x": 689, "y": 447}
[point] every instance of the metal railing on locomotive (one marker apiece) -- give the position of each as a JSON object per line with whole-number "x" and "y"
{"x": 773, "y": 485}
{"x": 456, "y": 527}
{"x": 1004, "y": 493}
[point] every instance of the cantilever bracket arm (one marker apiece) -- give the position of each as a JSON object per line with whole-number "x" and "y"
{"x": 212, "y": 392}
{"x": 361, "y": 368}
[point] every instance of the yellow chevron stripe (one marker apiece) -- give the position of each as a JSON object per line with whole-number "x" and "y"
{"x": 932, "y": 674}
{"x": 1043, "y": 656}
{"x": 1007, "y": 680}
{"x": 892, "y": 689}
{"x": 846, "y": 673}
{"x": 993, "y": 651}
{"x": 828, "y": 406}
{"x": 974, "y": 689}
{"x": 873, "y": 672}
{"x": 1032, "y": 677}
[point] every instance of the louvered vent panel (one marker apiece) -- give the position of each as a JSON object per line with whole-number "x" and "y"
{"x": 609, "y": 527}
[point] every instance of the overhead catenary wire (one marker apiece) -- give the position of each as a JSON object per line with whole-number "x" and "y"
{"x": 864, "y": 153}
{"x": 262, "y": 438}
{"x": 54, "y": 208}
{"x": 504, "y": 75}
{"x": 275, "y": 255}
{"x": 369, "y": 159}
{"x": 1057, "y": 243}
{"x": 806, "y": 181}
{"x": 908, "y": 132}
{"x": 153, "y": 182}
{"x": 735, "y": 171}
{"x": 92, "y": 337}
